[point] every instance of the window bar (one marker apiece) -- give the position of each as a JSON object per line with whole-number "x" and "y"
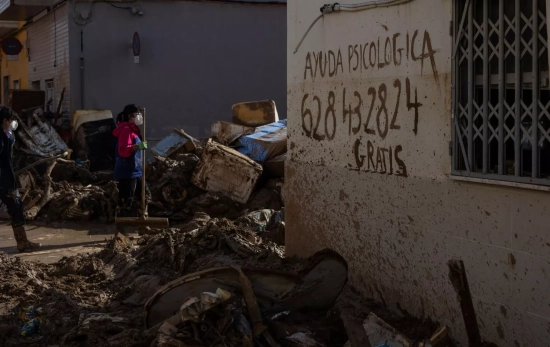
{"x": 460, "y": 27}
{"x": 536, "y": 87}
{"x": 471, "y": 87}
{"x": 517, "y": 141}
{"x": 455, "y": 109}
{"x": 461, "y": 144}
{"x": 458, "y": 139}
{"x": 502, "y": 87}
{"x": 486, "y": 85}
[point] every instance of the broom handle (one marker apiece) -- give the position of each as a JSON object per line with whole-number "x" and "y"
{"x": 143, "y": 211}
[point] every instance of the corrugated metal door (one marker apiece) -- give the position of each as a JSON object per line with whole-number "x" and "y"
{"x": 48, "y": 40}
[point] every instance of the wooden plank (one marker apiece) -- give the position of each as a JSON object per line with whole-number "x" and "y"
{"x": 457, "y": 275}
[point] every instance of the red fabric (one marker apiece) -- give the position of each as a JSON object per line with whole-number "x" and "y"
{"x": 126, "y": 133}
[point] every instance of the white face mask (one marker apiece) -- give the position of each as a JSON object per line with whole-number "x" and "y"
{"x": 13, "y": 125}
{"x": 139, "y": 119}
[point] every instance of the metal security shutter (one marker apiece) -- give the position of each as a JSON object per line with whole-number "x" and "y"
{"x": 501, "y": 86}
{"x": 48, "y": 40}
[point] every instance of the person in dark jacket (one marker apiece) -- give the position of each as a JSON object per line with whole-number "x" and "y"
{"x": 128, "y": 168}
{"x": 9, "y": 194}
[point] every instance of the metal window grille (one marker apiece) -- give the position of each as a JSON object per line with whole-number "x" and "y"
{"x": 501, "y": 92}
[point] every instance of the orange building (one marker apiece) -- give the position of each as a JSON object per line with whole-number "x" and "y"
{"x": 13, "y": 68}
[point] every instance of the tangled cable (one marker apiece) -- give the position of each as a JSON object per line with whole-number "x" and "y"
{"x": 336, "y": 7}
{"x": 81, "y": 20}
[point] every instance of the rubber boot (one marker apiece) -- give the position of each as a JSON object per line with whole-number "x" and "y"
{"x": 23, "y": 244}
{"x": 121, "y": 211}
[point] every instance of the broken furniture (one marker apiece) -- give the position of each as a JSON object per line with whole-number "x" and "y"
{"x": 224, "y": 170}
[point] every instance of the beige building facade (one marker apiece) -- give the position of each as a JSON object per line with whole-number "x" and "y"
{"x": 419, "y": 133}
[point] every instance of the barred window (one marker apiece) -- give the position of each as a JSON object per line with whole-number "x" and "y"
{"x": 501, "y": 92}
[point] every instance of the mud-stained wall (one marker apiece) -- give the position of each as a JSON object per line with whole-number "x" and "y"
{"x": 369, "y": 109}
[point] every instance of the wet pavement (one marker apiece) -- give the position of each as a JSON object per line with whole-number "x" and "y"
{"x": 58, "y": 239}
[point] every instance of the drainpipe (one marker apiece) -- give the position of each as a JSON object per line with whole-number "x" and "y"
{"x": 81, "y": 69}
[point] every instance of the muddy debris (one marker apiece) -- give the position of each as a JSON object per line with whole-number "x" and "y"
{"x": 123, "y": 295}
{"x": 51, "y": 196}
{"x": 187, "y": 176}
{"x": 218, "y": 276}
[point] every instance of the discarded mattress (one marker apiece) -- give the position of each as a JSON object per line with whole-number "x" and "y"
{"x": 255, "y": 113}
{"x": 226, "y": 171}
{"x": 267, "y": 142}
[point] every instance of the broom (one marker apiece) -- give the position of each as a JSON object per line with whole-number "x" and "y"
{"x": 144, "y": 220}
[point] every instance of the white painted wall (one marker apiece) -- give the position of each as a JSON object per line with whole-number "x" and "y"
{"x": 399, "y": 230}
{"x": 48, "y": 40}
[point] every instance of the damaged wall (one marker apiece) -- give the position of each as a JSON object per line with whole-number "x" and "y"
{"x": 369, "y": 174}
{"x": 197, "y": 60}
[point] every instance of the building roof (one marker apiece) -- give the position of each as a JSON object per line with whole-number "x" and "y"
{"x": 20, "y": 10}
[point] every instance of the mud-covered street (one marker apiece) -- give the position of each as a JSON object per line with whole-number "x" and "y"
{"x": 215, "y": 275}
{"x": 237, "y": 289}
{"x": 59, "y": 239}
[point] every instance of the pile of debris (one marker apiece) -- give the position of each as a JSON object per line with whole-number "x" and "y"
{"x": 208, "y": 283}
{"x": 56, "y": 188}
{"x": 217, "y": 278}
{"x": 239, "y": 170}
{"x": 222, "y": 175}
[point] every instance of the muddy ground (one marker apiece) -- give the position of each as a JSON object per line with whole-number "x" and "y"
{"x": 93, "y": 287}
{"x": 58, "y": 239}
{"x": 98, "y": 299}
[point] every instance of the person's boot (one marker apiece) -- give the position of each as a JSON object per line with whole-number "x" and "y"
{"x": 121, "y": 212}
{"x": 23, "y": 244}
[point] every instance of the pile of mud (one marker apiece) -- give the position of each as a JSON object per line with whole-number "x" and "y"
{"x": 117, "y": 281}
{"x": 117, "y": 296}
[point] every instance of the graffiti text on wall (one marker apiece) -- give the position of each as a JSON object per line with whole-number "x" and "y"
{"x": 368, "y": 115}
{"x": 379, "y": 54}
{"x": 372, "y": 158}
